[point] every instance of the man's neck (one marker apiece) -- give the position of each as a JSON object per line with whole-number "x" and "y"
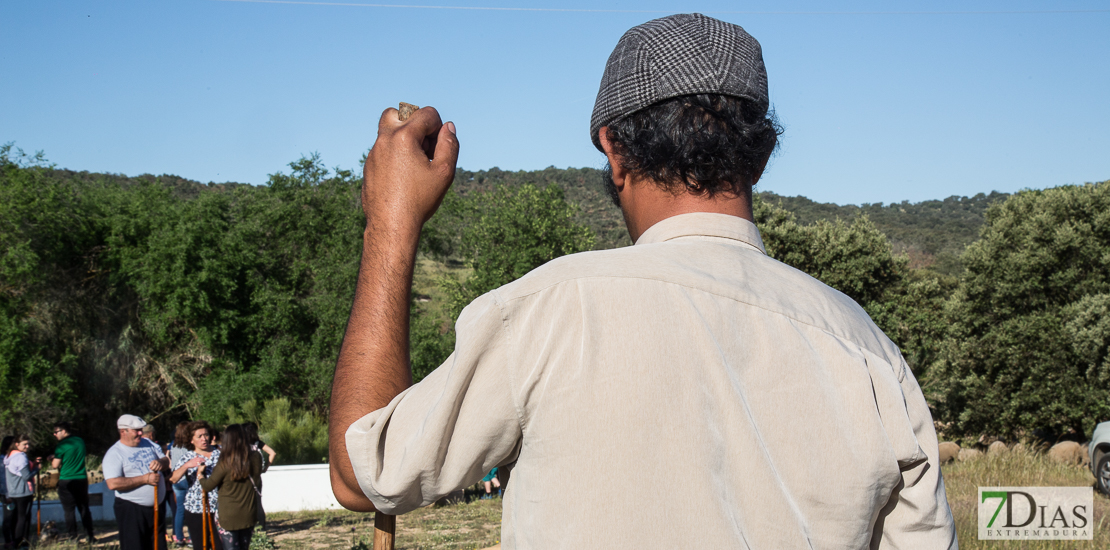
{"x": 649, "y": 204}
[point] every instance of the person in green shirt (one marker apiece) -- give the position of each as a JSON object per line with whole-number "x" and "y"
{"x": 73, "y": 482}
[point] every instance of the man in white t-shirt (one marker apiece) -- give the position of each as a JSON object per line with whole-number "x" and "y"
{"x": 132, "y": 468}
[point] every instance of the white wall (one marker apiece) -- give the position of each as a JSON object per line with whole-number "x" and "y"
{"x": 284, "y": 489}
{"x": 296, "y": 488}
{"x": 52, "y": 509}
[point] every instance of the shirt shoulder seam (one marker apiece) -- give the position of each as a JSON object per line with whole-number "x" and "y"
{"x": 576, "y": 279}
{"x": 510, "y": 372}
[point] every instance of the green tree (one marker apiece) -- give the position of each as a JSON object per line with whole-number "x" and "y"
{"x": 514, "y": 230}
{"x": 912, "y": 314}
{"x": 277, "y": 286}
{"x": 1027, "y": 347}
{"x": 297, "y": 436}
{"x": 42, "y": 243}
{"x": 431, "y": 340}
{"x": 500, "y": 234}
{"x": 854, "y": 258}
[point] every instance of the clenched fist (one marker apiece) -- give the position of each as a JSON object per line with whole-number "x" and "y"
{"x": 409, "y": 169}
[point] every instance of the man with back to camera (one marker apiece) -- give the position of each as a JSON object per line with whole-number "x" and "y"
{"x": 132, "y": 468}
{"x": 73, "y": 481}
{"x": 793, "y": 420}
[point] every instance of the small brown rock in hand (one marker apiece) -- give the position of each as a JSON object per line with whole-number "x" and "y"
{"x": 405, "y": 110}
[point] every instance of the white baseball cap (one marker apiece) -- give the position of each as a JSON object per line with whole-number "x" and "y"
{"x": 130, "y": 421}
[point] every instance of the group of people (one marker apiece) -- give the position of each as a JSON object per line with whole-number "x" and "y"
{"x": 19, "y": 486}
{"x": 211, "y": 481}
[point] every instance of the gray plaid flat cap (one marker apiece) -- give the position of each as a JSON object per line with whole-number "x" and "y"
{"x": 678, "y": 55}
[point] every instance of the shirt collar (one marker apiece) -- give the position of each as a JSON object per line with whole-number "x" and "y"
{"x": 704, "y": 224}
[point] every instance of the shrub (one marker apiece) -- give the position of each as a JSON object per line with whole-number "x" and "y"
{"x": 1027, "y": 347}
{"x": 298, "y": 437}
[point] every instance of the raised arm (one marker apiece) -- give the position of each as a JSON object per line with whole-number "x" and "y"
{"x": 180, "y": 471}
{"x": 407, "y": 173}
{"x": 269, "y": 452}
{"x": 208, "y": 484}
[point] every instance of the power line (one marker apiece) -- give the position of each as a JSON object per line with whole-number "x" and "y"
{"x": 481, "y": 8}
{"x": 577, "y": 10}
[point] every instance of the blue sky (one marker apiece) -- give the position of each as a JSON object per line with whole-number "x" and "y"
{"x": 882, "y": 101}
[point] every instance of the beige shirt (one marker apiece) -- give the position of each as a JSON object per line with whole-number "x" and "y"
{"x": 685, "y": 392}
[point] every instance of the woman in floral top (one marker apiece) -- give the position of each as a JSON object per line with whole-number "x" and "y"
{"x": 199, "y": 453}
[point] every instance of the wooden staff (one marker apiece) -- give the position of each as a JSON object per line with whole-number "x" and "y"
{"x": 156, "y": 547}
{"x": 207, "y": 527}
{"x": 385, "y": 525}
{"x": 212, "y": 530}
{"x": 204, "y": 523}
{"x": 38, "y": 497}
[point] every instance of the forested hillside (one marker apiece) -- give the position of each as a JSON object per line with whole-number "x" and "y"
{"x": 932, "y": 233}
{"x": 173, "y": 299}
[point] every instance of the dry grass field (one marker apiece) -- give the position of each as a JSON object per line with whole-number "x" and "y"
{"x": 474, "y": 525}
{"x": 477, "y": 525}
{"x": 1017, "y": 469}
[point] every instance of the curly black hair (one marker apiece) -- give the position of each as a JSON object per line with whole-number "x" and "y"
{"x": 704, "y": 144}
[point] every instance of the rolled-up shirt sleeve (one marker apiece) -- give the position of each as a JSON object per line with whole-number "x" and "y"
{"x": 447, "y": 431}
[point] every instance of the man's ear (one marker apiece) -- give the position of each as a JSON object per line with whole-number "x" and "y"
{"x": 762, "y": 166}
{"x": 615, "y": 160}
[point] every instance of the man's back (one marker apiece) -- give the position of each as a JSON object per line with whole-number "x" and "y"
{"x": 71, "y": 451}
{"x": 716, "y": 397}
